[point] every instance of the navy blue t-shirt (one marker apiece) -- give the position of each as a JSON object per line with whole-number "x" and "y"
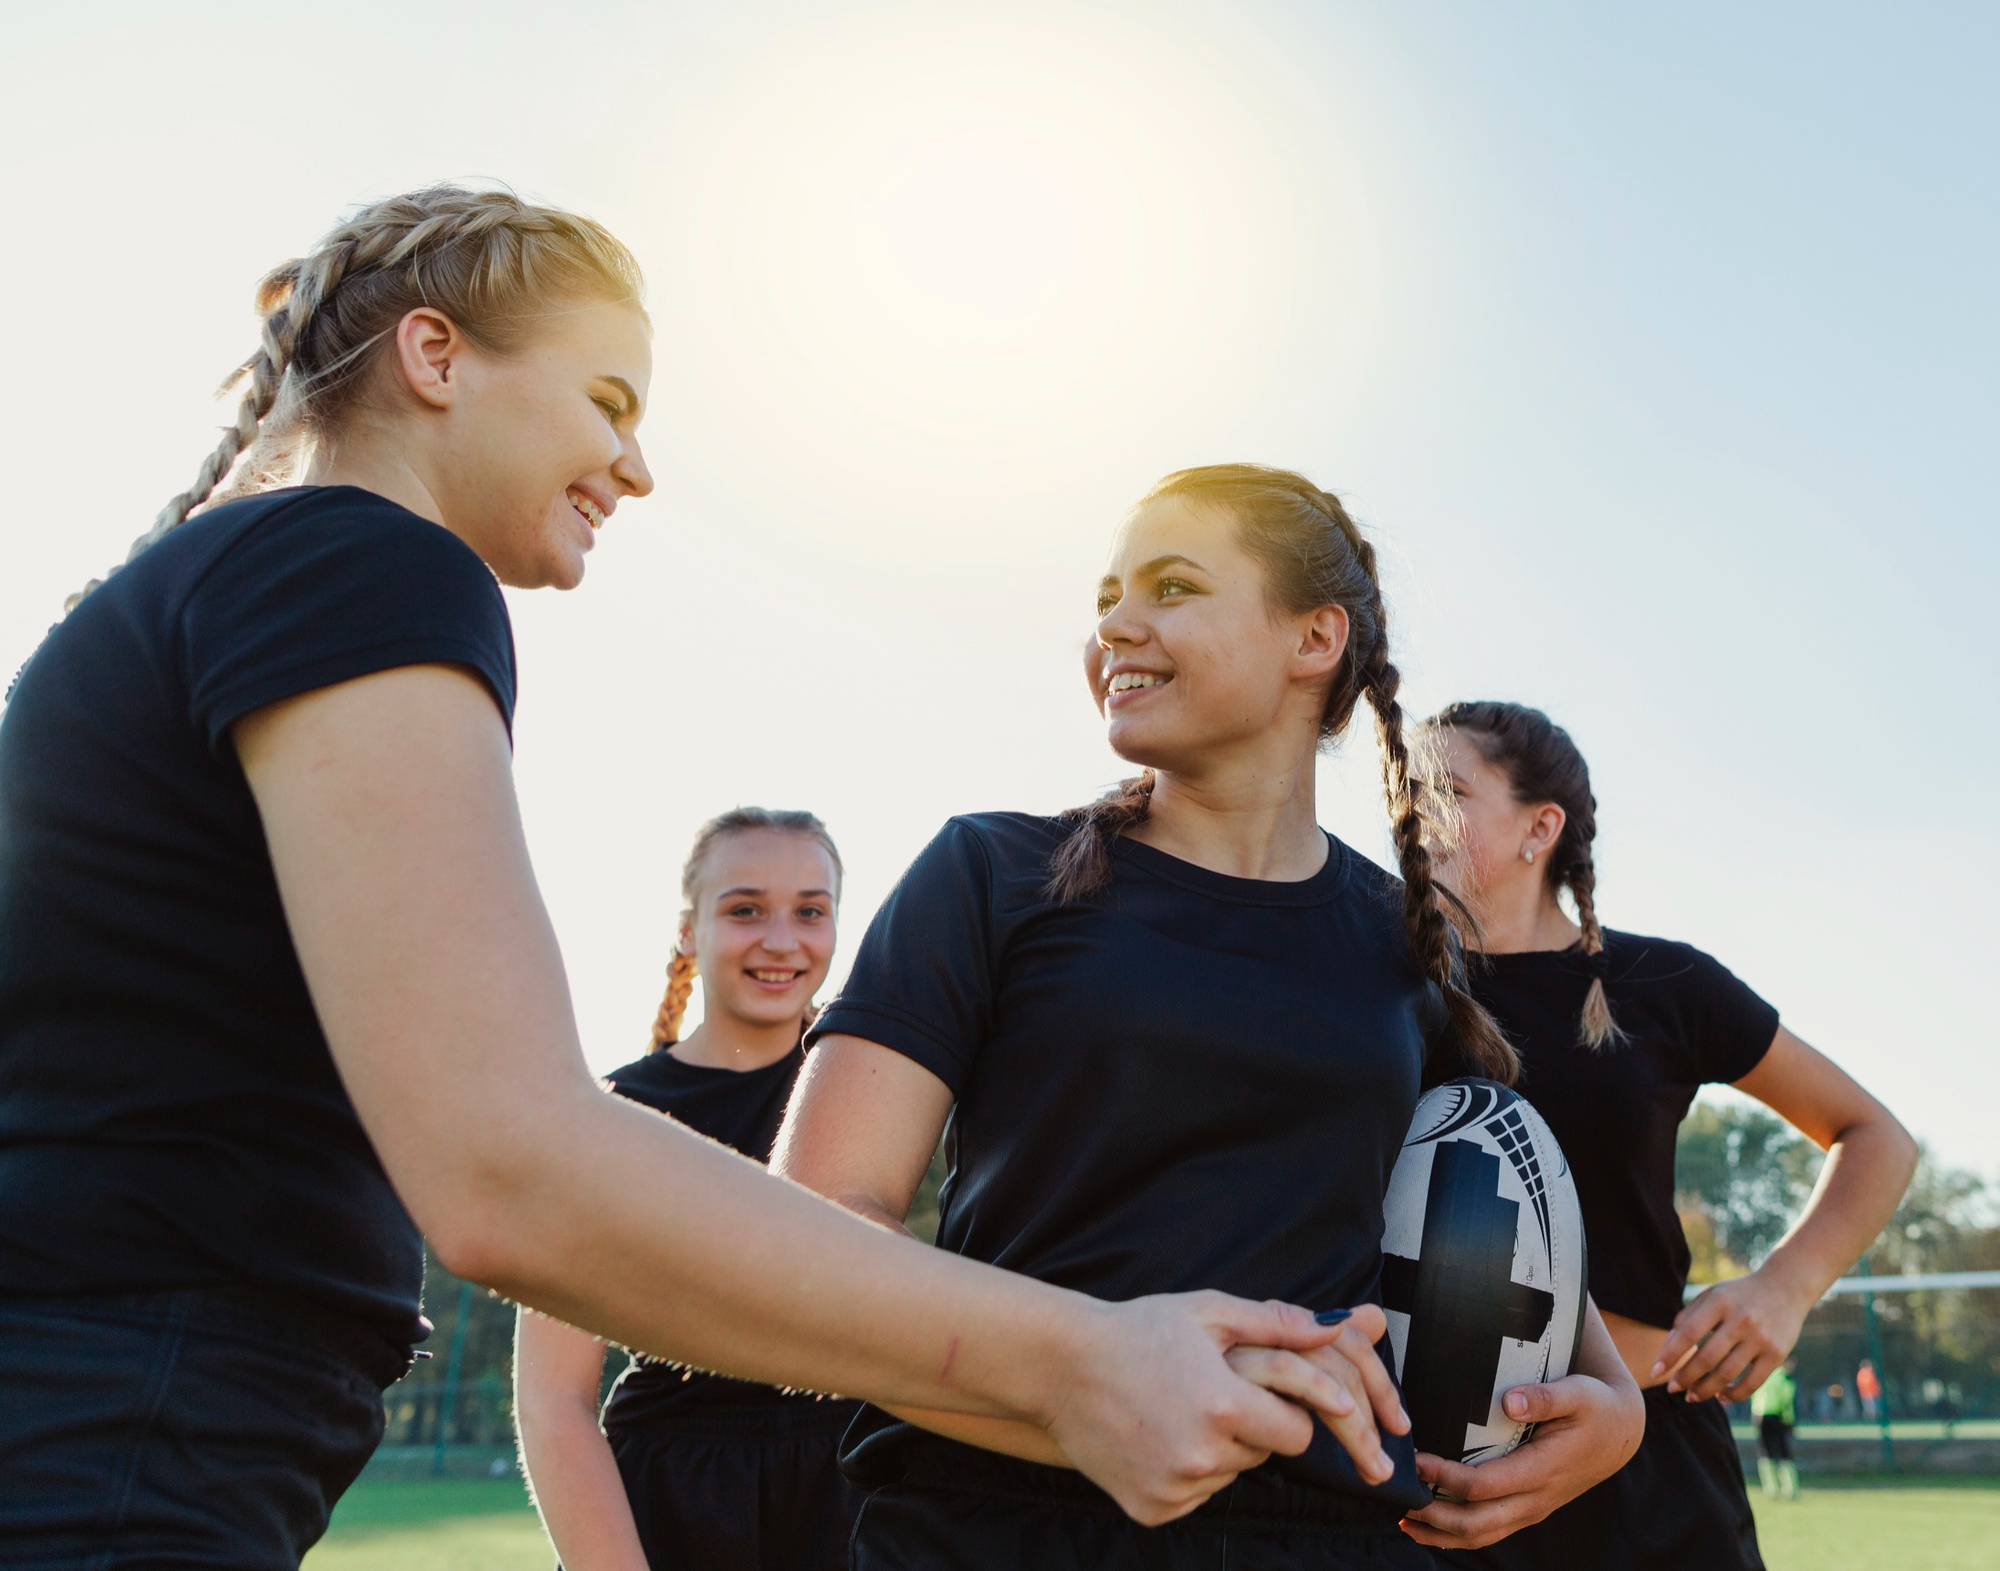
{"x": 1616, "y": 1110}
{"x": 1188, "y": 1081}
{"x": 742, "y": 1109}
{"x": 170, "y": 1115}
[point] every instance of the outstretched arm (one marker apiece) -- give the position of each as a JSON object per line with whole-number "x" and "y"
{"x": 389, "y": 809}
{"x": 1736, "y": 1333}
{"x": 571, "y": 1471}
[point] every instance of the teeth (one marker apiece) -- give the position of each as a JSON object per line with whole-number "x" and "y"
{"x": 589, "y": 509}
{"x": 1125, "y": 681}
{"x": 775, "y": 976}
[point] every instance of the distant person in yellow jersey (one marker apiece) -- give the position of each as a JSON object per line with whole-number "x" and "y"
{"x": 1775, "y": 1406}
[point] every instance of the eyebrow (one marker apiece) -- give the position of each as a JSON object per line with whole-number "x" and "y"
{"x": 1159, "y": 564}
{"x": 804, "y": 894}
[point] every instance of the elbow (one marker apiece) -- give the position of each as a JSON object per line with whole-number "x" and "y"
{"x": 475, "y": 1250}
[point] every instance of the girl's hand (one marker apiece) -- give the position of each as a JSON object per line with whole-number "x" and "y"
{"x": 1344, "y": 1382}
{"x": 1730, "y": 1338}
{"x": 1153, "y": 1413}
{"x": 1587, "y": 1430}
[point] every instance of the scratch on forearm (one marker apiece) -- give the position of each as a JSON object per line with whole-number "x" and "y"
{"x": 950, "y": 1358}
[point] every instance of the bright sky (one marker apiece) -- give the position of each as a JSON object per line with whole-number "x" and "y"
{"x": 1656, "y": 345}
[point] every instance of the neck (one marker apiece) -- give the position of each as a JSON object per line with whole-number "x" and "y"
{"x": 725, "y": 1042}
{"x": 374, "y": 465}
{"x": 1248, "y": 822}
{"x": 1520, "y": 918}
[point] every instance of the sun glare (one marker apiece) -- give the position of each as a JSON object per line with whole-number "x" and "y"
{"x": 1014, "y": 247}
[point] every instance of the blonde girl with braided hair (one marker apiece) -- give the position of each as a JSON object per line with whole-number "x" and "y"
{"x": 1616, "y": 1034}
{"x": 1174, "y": 1039}
{"x": 684, "y": 1468}
{"x": 278, "y": 994}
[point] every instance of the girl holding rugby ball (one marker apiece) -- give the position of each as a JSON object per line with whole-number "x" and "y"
{"x": 1174, "y": 1040}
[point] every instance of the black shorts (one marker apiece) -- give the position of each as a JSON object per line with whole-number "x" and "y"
{"x": 189, "y": 1428}
{"x": 1678, "y": 1505}
{"x": 749, "y": 1488}
{"x": 957, "y": 1509}
{"x": 1776, "y": 1437}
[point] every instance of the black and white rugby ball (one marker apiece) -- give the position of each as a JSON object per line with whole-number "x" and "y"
{"x": 1482, "y": 1266}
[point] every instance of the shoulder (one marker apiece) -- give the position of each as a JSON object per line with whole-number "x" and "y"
{"x": 1637, "y": 958}
{"x": 1007, "y": 839}
{"x": 333, "y": 525}
{"x": 644, "y": 1079}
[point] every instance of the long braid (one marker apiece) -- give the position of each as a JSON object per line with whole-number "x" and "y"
{"x": 487, "y": 259}
{"x": 1082, "y": 863}
{"x": 1424, "y": 925}
{"x": 1596, "y": 1027}
{"x": 681, "y": 972}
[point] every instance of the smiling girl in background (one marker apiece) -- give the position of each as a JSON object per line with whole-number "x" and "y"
{"x": 693, "y": 1469}
{"x": 1616, "y": 1035}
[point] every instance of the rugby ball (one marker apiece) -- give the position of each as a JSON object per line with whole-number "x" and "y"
{"x": 1483, "y": 1263}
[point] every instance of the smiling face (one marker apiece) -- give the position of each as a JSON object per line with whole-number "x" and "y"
{"x": 762, "y": 930}
{"x": 542, "y": 442}
{"x": 1191, "y": 659}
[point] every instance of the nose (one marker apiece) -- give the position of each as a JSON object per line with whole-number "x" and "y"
{"x": 630, "y": 471}
{"x": 1118, "y": 626}
{"x": 780, "y": 936}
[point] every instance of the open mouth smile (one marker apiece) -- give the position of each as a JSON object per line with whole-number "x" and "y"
{"x": 592, "y": 514}
{"x": 1126, "y": 686}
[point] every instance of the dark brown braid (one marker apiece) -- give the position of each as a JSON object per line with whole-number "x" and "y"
{"x": 1314, "y": 555}
{"x": 682, "y": 968}
{"x": 1544, "y": 765}
{"x": 489, "y": 260}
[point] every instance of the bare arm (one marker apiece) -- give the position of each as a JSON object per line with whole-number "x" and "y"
{"x": 389, "y": 809}
{"x": 1736, "y": 1333}
{"x": 571, "y": 1470}
{"x": 860, "y": 1130}
{"x": 1587, "y": 1427}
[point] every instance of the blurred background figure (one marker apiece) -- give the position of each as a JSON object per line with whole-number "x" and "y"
{"x": 1774, "y": 1405}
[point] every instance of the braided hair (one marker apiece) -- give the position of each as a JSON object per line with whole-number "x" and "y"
{"x": 681, "y": 967}
{"x": 1543, "y": 765}
{"x": 1313, "y": 555}
{"x": 489, "y": 260}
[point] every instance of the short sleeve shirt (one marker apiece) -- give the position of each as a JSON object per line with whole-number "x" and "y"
{"x": 742, "y": 1109}
{"x": 1186, "y": 1081}
{"x": 1617, "y": 1110}
{"x": 170, "y": 1115}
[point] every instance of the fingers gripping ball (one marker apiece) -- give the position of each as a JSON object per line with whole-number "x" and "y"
{"x": 1482, "y": 1266}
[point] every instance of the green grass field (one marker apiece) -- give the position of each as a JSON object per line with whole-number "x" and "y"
{"x": 1914, "y": 1524}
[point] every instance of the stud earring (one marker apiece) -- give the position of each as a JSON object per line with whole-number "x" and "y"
{"x": 1528, "y": 855}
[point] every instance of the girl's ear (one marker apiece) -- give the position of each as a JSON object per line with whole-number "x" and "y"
{"x": 1323, "y": 640}
{"x": 684, "y": 939}
{"x": 428, "y": 346}
{"x": 1544, "y": 829}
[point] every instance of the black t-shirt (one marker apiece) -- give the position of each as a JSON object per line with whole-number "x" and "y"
{"x": 170, "y": 1116}
{"x": 742, "y": 1110}
{"x": 1616, "y": 1110}
{"x": 1188, "y": 1081}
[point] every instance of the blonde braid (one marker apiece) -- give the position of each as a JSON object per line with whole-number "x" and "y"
{"x": 681, "y": 973}
{"x": 1597, "y": 1028}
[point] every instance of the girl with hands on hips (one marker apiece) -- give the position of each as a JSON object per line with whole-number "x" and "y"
{"x": 1616, "y": 1034}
